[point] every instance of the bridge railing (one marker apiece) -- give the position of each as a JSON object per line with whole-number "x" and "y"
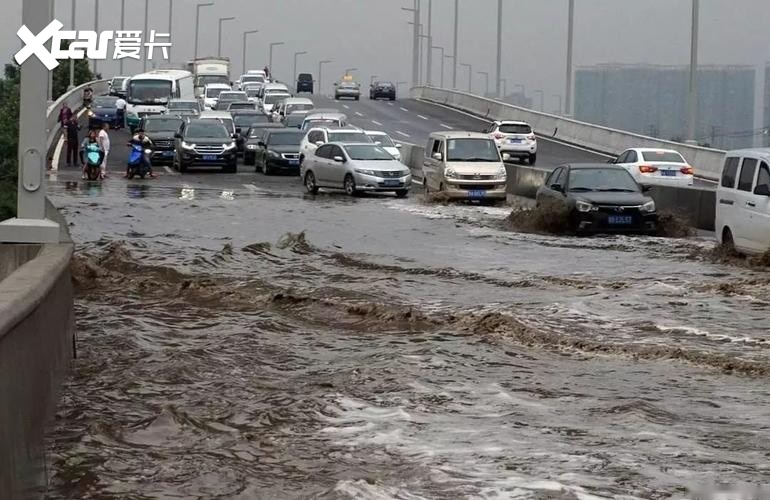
{"x": 707, "y": 162}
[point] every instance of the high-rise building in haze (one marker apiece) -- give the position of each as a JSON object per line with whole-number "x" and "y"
{"x": 766, "y": 110}
{"x": 652, "y": 100}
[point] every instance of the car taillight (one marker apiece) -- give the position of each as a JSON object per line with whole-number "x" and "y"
{"x": 647, "y": 169}
{"x": 498, "y": 135}
{"x": 688, "y": 170}
{"x": 531, "y": 137}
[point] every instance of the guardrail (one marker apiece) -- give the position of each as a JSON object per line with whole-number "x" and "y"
{"x": 36, "y": 339}
{"x": 707, "y": 162}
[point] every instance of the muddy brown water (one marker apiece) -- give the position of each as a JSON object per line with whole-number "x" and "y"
{"x": 242, "y": 343}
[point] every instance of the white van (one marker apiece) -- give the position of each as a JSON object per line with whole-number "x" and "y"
{"x": 743, "y": 201}
{"x": 464, "y": 165}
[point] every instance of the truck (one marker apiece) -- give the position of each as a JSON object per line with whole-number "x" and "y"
{"x": 209, "y": 70}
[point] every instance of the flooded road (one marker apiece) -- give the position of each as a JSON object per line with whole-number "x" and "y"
{"x": 238, "y": 339}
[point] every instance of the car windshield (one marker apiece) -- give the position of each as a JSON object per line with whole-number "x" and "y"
{"x": 204, "y": 80}
{"x": 105, "y": 102}
{"x": 305, "y": 77}
{"x": 225, "y": 122}
{"x": 601, "y": 179}
{"x": 383, "y": 139}
{"x": 667, "y": 156}
{"x": 294, "y": 121}
{"x": 243, "y": 121}
{"x": 214, "y": 93}
{"x": 472, "y": 150}
{"x": 252, "y": 92}
{"x": 368, "y": 153}
{"x": 118, "y": 82}
{"x": 149, "y": 91}
{"x": 286, "y": 138}
{"x": 349, "y": 137}
{"x": 274, "y": 98}
{"x": 162, "y": 125}
{"x": 257, "y": 132}
{"x": 515, "y": 128}
{"x": 385, "y": 85}
{"x": 252, "y": 78}
{"x": 183, "y": 105}
{"x": 207, "y": 130}
{"x": 232, "y": 96}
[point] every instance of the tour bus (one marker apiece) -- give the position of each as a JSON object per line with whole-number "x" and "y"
{"x": 148, "y": 93}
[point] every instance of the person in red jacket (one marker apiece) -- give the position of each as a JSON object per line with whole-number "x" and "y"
{"x": 65, "y": 115}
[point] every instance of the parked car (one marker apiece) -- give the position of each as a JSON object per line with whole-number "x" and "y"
{"x": 356, "y": 168}
{"x": 382, "y": 90}
{"x": 317, "y": 136}
{"x": 175, "y": 106}
{"x": 305, "y": 83}
{"x": 104, "y": 109}
{"x": 229, "y": 96}
{"x": 384, "y": 140}
{"x": 256, "y": 133}
{"x": 663, "y": 167}
{"x": 116, "y": 86}
{"x": 464, "y": 165}
{"x": 211, "y": 94}
{"x": 742, "y": 217}
{"x": 515, "y": 138}
{"x": 205, "y": 143}
{"x": 162, "y": 131}
{"x": 347, "y": 89}
{"x": 600, "y": 198}
{"x": 279, "y": 151}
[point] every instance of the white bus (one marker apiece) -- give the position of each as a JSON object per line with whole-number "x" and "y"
{"x": 148, "y": 93}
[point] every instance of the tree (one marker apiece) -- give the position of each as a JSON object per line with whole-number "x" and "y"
{"x": 9, "y": 140}
{"x": 61, "y": 74}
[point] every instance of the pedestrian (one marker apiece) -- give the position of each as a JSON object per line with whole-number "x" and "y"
{"x": 88, "y": 96}
{"x": 65, "y": 113}
{"x": 121, "y": 104}
{"x": 72, "y": 140}
{"x": 104, "y": 142}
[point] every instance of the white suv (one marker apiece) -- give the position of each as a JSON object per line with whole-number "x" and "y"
{"x": 743, "y": 201}
{"x": 515, "y": 138}
{"x": 319, "y": 136}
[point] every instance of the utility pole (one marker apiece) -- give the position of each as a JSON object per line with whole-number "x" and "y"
{"x": 96, "y": 29}
{"x": 320, "y": 69}
{"x": 72, "y": 61}
{"x": 245, "y": 34}
{"x": 30, "y": 224}
{"x": 170, "y": 18}
{"x": 570, "y": 37}
{"x": 498, "y": 75}
{"x": 219, "y": 34}
{"x": 415, "y": 42}
{"x": 454, "y": 49}
{"x": 692, "y": 96}
{"x": 429, "y": 76}
{"x": 49, "y": 94}
{"x": 270, "y": 58}
{"x": 144, "y": 33}
{"x": 122, "y": 26}
{"x": 197, "y": 24}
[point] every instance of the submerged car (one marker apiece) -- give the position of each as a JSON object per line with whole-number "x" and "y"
{"x": 599, "y": 198}
{"x": 355, "y": 168}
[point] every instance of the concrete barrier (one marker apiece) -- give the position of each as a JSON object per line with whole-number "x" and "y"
{"x": 707, "y": 162}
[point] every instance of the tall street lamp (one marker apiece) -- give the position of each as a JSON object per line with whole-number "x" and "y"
{"x": 504, "y": 83}
{"x": 415, "y": 41}
{"x": 170, "y": 23}
{"x": 498, "y": 74}
{"x": 270, "y": 58}
{"x": 246, "y": 34}
{"x": 296, "y": 55}
{"x": 558, "y": 110}
{"x": 542, "y": 98}
{"x": 146, "y": 21}
{"x": 96, "y": 29}
{"x": 692, "y": 94}
{"x": 443, "y": 56}
{"x": 454, "y": 49}
{"x": 72, "y": 27}
{"x": 350, "y": 70}
{"x": 470, "y": 76}
{"x": 428, "y": 77}
{"x": 486, "y": 78}
{"x": 320, "y": 69}
{"x": 219, "y": 34}
{"x": 570, "y": 36}
{"x": 197, "y": 24}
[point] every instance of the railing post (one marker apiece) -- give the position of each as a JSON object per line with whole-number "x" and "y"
{"x": 31, "y": 225}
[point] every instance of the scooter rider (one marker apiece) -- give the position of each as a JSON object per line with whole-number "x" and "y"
{"x": 144, "y": 141}
{"x": 90, "y": 144}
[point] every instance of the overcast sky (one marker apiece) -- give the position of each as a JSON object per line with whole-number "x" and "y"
{"x": 373, "y": 35}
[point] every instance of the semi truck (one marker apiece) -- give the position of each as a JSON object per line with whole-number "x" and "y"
{"x": 209, "y": 70}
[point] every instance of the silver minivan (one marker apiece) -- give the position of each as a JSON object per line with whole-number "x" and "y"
{"x": 743, "y": 201}
{"x": 464, "y": 165}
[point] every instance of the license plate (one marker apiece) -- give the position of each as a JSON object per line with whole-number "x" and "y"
{"x": 475, "y": 194}
{"x": 391, "y": 183}
{"x": 210, "y": 158}
{"x": 293, "y": 163}
{"x": 514, "y": 141}
{"x": 620, "y": 219}
{"x": 668, "y": 173}
{"x": 168, "y": 153}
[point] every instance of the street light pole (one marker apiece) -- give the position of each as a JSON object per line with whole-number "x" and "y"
{"x": 296, "y": 55}
{"x": 270, "y": 59}
{"x": 219, "y": 34}
{"x": 454, "y": 49}
{"x": 486, "y": 77}
{"x": 429, "y": 76}
{"x": 245, "y": 34}
{"x": 197, "y": 24}
{"x": 470, "y": 76}
{"x": 443, "y": 56}
{"x": 146, "y": 21}
{"x": 350, "y": 70}
{"x": 692, "y": 95}
{"x": 415, "y": 42}
{"x": 542, "y": 98}
{"x": 558, "y": 110}
{"x": 499, "y": 48}
{"x": 96, "y": 29}
{"x": 170, "y": 25}
{"x": 320, "y": 68}
{"x": 72, "y": 61}
{"x": 504, "y": 83}
{"x": 570, "y": 37}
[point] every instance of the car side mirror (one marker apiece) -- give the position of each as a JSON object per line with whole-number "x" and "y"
{"x": 339, "y": 159}
{"x": 437, "y": 156}
{"x": 261, "y": 144}
{"x": 238, "y": 130}
{"x": 557, "y": 187}
{"x": 762, "y": 190}
{"x": 177, "y": 136}
{"x": 399, "y": 145}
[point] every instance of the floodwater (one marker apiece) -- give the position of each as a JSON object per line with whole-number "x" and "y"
{"x": 248, "y": 342}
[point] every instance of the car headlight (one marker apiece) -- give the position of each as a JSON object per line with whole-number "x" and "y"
{"x": 648, "y": 207}
{"x": 502, "y": 174}
{"x": 251, "y": 147}
{"x": 450, "y": 173}
{"x": 187, "y": 145}
{"x": 364, "y": 171}
{"x": 229, "y": 146}
{"x": 583, "y": 206}
{"x": 273, "y": 154}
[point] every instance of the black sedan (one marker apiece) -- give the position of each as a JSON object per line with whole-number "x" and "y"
{"x": 104, "y": 109}
{"x": 382, "y": 90}
{"x": 256, "y": 132}
{"x": 279, "y": 151}
{"x": 162, "y": 131}
{"x": 599, "y": 198}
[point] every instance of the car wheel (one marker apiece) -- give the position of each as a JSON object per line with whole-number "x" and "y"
{"x": 402, "y": 193}
{"x": 728, "y": 243}
{"x": 532, "y": 159}
{"x": 310, "y": 183}
{"x": 357, "y": 98}
{"x": 350, "y": 186}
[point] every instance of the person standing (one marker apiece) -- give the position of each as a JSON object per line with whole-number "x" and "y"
{"x": 104, "y": 142}
{"x": 72, "y": 140}
{"x": 65, "y": 113}
{"x": 120, "y": 105}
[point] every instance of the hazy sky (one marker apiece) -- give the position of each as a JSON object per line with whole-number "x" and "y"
{"x": 373, "y": 35}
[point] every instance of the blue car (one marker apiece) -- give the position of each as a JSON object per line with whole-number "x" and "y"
{"x": 104, "y": 110}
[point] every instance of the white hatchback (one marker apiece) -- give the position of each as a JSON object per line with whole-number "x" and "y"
{"x": 743, "y": 201}
{"x": 388, "y": 144}
{"x": 662, "y": 167}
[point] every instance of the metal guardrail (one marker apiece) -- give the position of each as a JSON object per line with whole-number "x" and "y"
{"x": 707, "y": 162}
{"x": 74, "y": 99}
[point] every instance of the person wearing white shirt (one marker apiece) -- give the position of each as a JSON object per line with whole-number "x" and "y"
{"x": 120, "y": 105}
{"x": 104, "y": 142}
